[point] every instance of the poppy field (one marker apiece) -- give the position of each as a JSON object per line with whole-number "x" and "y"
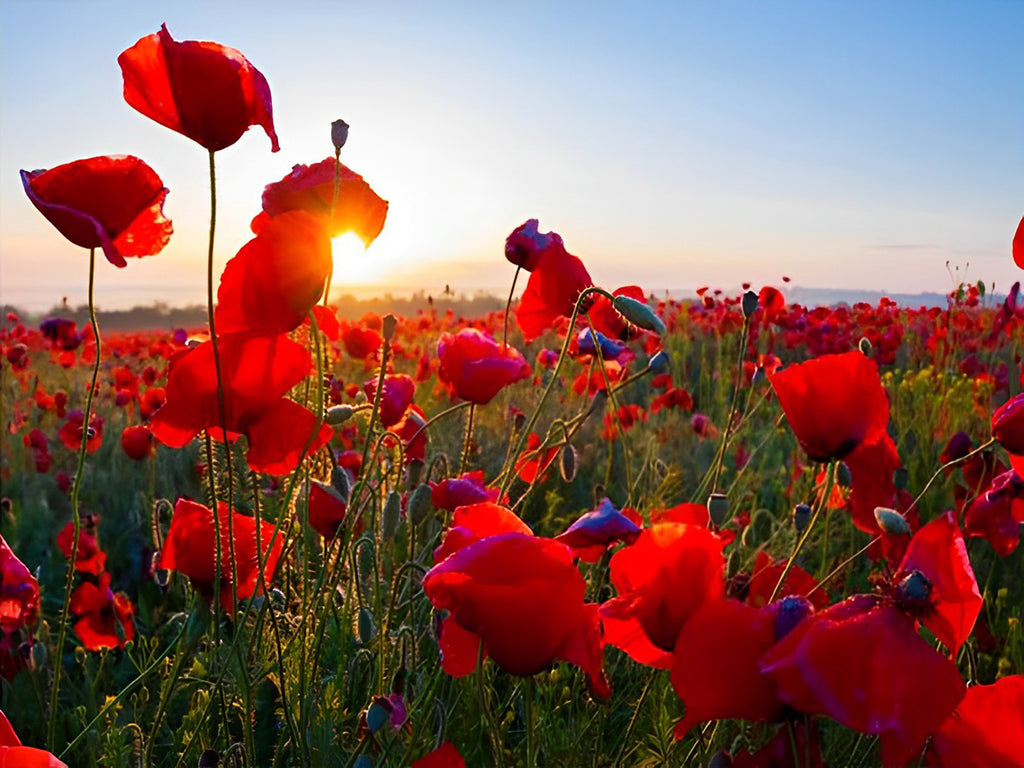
{"x": 598, "y": 528}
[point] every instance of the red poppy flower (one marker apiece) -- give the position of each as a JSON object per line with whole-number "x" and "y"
{"x": 395, "y": 399}
{"x": 953, "y": 603}
{"x": 14, "y": 755}
{"x": 206, "y": 91}
{"x": 833, "y": 403}
{"x": 473, "y": 522}
{"x": 190, "y": 549}
{"x": 19, "y": 592}
{"x": 871, "y": 473}
{"x": 414, "y": 436}
{"x": 533, "y": 463}
{"x": 454, "y": 492}
{"x": 475, "y": 367}
{"x": 997, "y": 514}
{"x": 555, "y": 284}
{"x": 113, "y": 202}
{"x": 861, "y": 663}
{"x": 311, "y": 188}
{"x": 1018, "y": 245}
{"x": 591, "y": 534}
{"x": 104, "y": 619}
{"x": 361, "y": 342}
{"x": 327, "y": 509}
{"x": 662, "y": 580}
{"x": 766, "y": 576}
{"x": 276, "y": 278}
{"x": 71, "y": 432}
{"x": 151, "y": 400}
{"x": 715, "y": 664}
{"x": 90, "y": 558}
{"x": 137, "y": 442}
{"x": 522, "y": 598}
{"x": 257, "y": 371}
{"x": 445, "y": 756}
{"x": 1008, "y": 425}
{"x": 985, "y": 731}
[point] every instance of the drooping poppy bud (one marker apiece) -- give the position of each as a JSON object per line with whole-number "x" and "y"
{"x": 339, "y": 133}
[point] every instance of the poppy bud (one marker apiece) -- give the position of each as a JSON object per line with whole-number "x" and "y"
{"x": 891, "y": 521}
{"x": 342, "y": 482}
{"x": 39, "y": 655}
{"x": 749, "y": 303}
{"x": 639, "y": 314}
{"x": 718, "y": 508}
{"x": 363, "y": 762}
{"x": 420, "y": 505}
{"x": 721, "y": 759}
{"x": 338, "y": 414}
{"x": 901, "y": 478}
{"x": 366, "y": 628}
{"x": 659, "y": 363}
{"x": 339, "y": 133}
{"x": 391, "y": 516}
{"x": 843, "y": 476}
{"x": 568, "y": 462}
{"x": 209, "y": 759}
{"x": 414, "y": 473}
{"x": 801, "y": 517}
{"x": 865, "y": 346}
{"x": 388, "y": 325}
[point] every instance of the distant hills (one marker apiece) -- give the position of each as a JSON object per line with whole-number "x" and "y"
{"x": 161, "y": 315}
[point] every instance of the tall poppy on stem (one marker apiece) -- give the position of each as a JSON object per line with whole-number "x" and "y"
{"x": 114, "y": 203}
{"x": 212, "y": 94}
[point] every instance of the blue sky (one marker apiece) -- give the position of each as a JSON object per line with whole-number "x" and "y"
{"x": 672, "y": 145}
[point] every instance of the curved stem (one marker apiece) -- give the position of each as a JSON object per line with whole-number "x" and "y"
{"x": 467, "y": 440}
{"x": 508, "y": 306}
{"x": 76, "y": 487}
{"x": 991, "y": 441}
{"x": 830, "y": 481}
{"x": 507, "y": 473}
{"x": 727, "y": 431}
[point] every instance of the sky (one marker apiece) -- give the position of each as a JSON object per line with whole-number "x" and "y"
{"x": 672, "y": 145}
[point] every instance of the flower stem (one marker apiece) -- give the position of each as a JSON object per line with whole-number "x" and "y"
{"x": 830, "y": 481}
{"x": 467, "y": 440}
{"x": 222, "y": 418}
{"x": 508, "y": 306}
{"x": 76, "y": 487}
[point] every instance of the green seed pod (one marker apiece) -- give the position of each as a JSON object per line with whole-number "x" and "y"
{"x": 718, "y": 508}
{"x": 568, "y": 462}
{"x": 891, "y": 521}
{"x": 338, "y": 414}
{"x": 420, "y": 505}
{"x": 392, "y": 515}
{"x": 639, "y": 314}
{"x": 843, "y": 476}
{"x": 366, "y": 627}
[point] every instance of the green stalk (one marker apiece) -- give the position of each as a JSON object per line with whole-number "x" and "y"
{"x": 76, "y": 487}
{"x": 830, "y": 481}
{"x": 508, "y": 306}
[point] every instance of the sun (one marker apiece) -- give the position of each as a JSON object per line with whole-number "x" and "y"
{"x": 356, "y": 264}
